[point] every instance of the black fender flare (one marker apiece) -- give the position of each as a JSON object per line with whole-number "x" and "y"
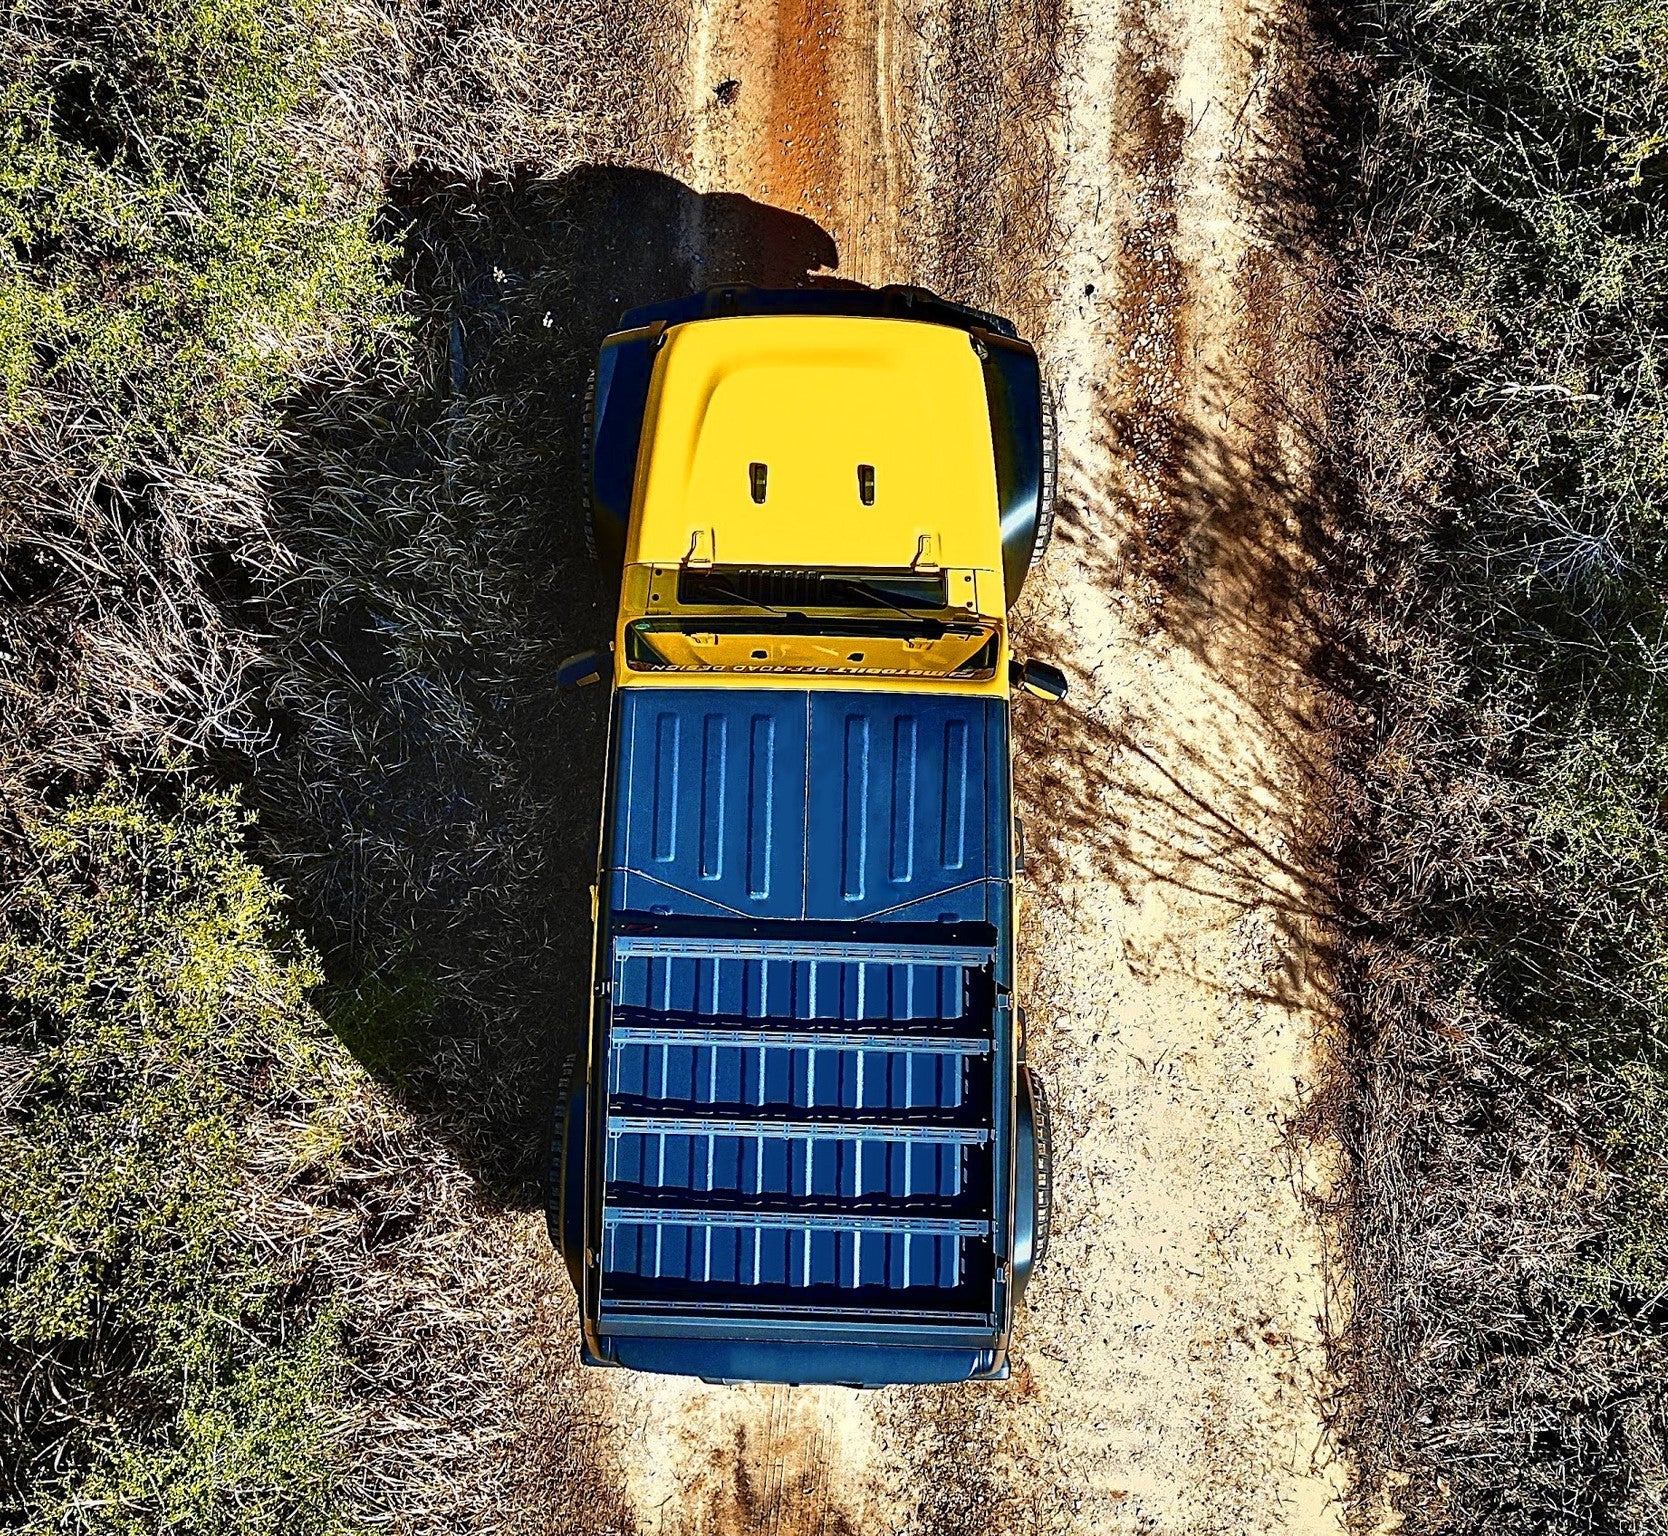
{"x": 616, "y": 403}
{"x": 1023, "y": 441}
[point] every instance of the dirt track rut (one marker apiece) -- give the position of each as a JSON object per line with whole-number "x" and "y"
{"x": 1100, "y": 171}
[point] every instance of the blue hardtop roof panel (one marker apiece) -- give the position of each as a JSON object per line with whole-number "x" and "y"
{"x": 809, "y": 805}
{"x": 710, "y": 809}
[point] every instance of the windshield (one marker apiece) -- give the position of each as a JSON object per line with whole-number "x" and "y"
{"x": 769, "y": 642}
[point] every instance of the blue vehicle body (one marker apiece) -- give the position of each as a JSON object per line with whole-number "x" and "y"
{"x": 800, "y": 1147}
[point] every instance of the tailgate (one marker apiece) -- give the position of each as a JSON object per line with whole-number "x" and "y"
{"x": 802, "y": 1126}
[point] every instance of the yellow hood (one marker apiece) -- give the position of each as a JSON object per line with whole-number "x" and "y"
{"x": 812, "y": 398}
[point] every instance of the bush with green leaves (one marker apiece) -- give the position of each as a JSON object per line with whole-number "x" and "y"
{"x": 167, "y": 1371}
{"x": 186, "y": 245}
{"x": 168, "y": 255}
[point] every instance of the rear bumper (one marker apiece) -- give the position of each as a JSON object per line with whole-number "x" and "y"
{"x": 795, "y": 1364}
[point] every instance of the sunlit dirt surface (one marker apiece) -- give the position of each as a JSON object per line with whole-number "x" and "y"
{"x": 1116, "y": 178}
{"x": 1108, "y": 175}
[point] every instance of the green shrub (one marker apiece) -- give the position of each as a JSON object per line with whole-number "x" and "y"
{"x": 166, "y": 253}
{"x": 170, "y": 1377}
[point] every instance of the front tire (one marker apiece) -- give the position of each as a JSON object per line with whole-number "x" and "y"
{"x": 1048, "y": 478}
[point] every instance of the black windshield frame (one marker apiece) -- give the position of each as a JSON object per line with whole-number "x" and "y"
{"x": 796, "y": 591}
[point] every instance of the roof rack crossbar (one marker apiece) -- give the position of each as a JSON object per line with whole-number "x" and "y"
{"x": 799, "y": 1221}
{"x": 811, "y": 1039}
{"x": 673, "y": 946}
{"x": 796, "y": 1130}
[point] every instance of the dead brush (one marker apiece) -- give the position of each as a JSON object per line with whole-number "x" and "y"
{"x": 1500, "y": 587}
{"x": 121, "y": 640}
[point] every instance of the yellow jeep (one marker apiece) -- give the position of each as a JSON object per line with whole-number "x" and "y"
{"x": 803, "y": 1144}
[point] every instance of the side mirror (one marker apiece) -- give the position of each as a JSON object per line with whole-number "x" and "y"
{"x": 1039, "y": 678}
{"x": 581, "y": 670}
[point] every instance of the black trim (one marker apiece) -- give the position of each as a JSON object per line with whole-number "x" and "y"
{"x": 893, "y": 302}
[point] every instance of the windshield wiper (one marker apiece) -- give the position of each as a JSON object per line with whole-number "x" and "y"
{"x": 932, "y": 628}
{"x": 723, "y": 590}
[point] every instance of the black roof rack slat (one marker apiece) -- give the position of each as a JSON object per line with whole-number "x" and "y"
{"x": 712, "y": 947}
{"x": 750, "y": 1034}
{"x": 800, "y": 1221}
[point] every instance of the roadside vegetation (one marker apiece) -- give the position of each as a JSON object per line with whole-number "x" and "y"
{"x": 207, "y": 1321}
{"x": 174, "y": 262}
{"x": 171, "y": 1348}
{"x": 1504, "y": 451}
{"x": 170, "y": 1362}
{"x": 282, "y": 545}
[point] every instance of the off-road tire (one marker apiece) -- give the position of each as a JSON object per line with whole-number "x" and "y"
{"x": 1043, "y": 1132}
{"x": 1049, "y": 479}
{"x": 587, "y": 487}
{"x": 558, "y": 1142}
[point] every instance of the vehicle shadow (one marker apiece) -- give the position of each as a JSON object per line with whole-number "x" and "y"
{"x": 434, "y": 799}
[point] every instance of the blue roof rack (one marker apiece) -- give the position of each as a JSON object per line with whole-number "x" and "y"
{"x": 799, "y": 1124}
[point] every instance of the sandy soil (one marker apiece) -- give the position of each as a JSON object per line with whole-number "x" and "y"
{"x": 1101, "y": 171}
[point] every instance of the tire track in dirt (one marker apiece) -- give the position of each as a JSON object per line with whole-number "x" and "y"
{"x": 790, "y": 102}
{"x": 1180, "y": 987}
{"x": 1151, "y": 308}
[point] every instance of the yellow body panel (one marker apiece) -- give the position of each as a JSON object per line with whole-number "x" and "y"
{"x": 812, "y": 398}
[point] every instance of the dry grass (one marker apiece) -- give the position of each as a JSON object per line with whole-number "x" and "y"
{"x": 1498, "y": 598}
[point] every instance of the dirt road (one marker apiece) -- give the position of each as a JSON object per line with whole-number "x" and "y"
{"x": 1102, "y": 172}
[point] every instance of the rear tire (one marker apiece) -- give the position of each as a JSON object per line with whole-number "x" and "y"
{"x": 1048, "y": 478}
{"x": 587, "y": 470}
{"x": 1043, "y": 1132}
{"x": 559, "y": 1220}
